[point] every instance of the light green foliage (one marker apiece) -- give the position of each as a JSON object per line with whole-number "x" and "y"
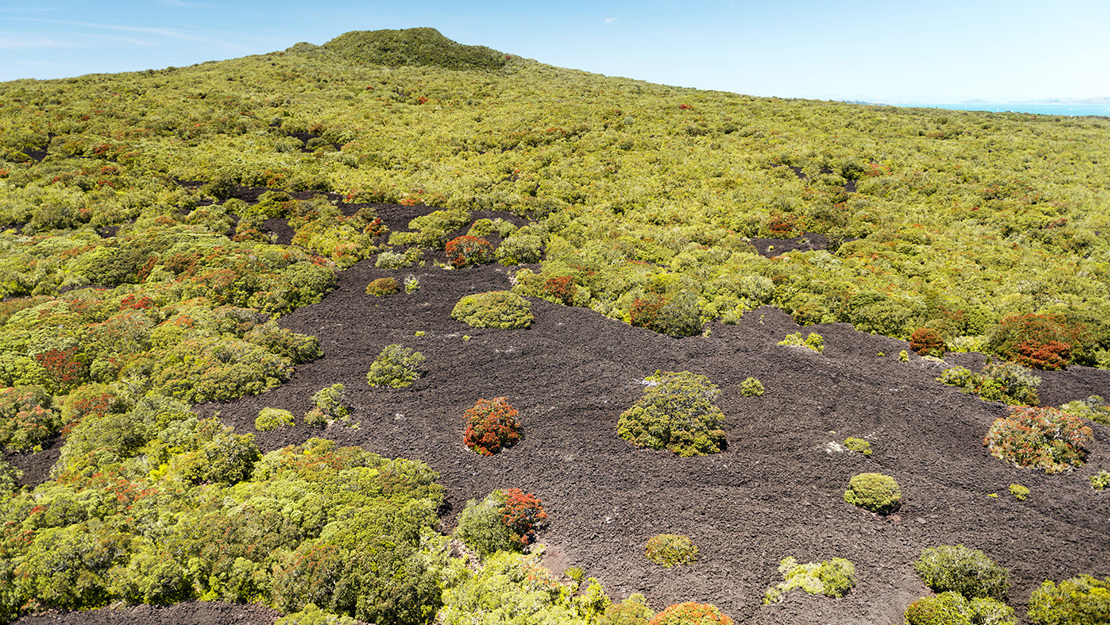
{"x": 431, "y": 230}
{"x": 520, "y": 248}
{"x": 396, "y": 366}
{"x": 671, "y": 549}
{"x": 1093, "y": 408}
{"x": 329, "y": 406}
{"x": 399, "y": 260}
{"x": 961, "y": 569}
{"x": 27, "y": 417}
{"x": 412, "y": 284}
{"x": 511, "y": 587}
{"x": 632, "y": 611}
{"x": 495, "y": 309}
{"x": 312, "y": 615}
{"x": 832, "y": 578}
{"x": 903, "y": 356}
{"x": 751, "y": 387}
{"x": 858, "y": 445}
{"x": 677, "y": 412}
{"x": 9, "y": 477}
{"x": 875, "y": 492}
{"x": 952, "y": 608}
{"x": 814, "y": 341}
{"x": 1100, "y": 480}
{"x": 1004, "y": 381}
{"x": 480, "y": 526}
{"x": 272, "y": 419}
{"x": 1021, "y": 493}
{"x": 1082, "y": 600}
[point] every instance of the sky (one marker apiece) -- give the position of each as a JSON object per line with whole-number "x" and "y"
{"x": 927, "y": 51}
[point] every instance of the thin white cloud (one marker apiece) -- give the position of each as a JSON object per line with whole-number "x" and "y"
{"x": 610, "y": 20}
{"x": 18, "y": 43}
{"x": 168, "y": 33}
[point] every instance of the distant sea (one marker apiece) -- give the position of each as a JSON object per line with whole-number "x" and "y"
{"x": 1038, "y": 108}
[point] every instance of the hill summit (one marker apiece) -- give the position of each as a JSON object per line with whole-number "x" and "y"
{"x": 414, "y": 47}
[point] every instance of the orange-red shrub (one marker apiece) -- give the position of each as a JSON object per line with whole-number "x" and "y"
{"x": 1037, "y": 341}
{"x": 927, "y": 342}
{"x": 466, "y": 250}
{"x": 491, "y": 426}
{"x": 523, "y": 514}
{"x": 690, "y": 613}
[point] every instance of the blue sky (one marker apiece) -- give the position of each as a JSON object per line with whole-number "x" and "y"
{"x": 939, "y": 51}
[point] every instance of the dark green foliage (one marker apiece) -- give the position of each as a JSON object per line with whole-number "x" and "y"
{"x": 9, "y": 476}
{"x": 208, "y": 369}
{"x": 396, "y": 366}
{"x": 1082, "y": 600}
{"x": 952, "y": 608}
{"x": 875, "y": 492}
{"x": 676, "y": 413}
{"x": 495, "y": 309}
{"x": 961, "y": 569}
{"x": 431, "y": 230}
{"x": 413, "y": 46}
{"x": 520, "y": 249}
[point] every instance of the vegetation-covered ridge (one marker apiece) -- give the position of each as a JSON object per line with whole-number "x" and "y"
{"x": 647, "y": 194}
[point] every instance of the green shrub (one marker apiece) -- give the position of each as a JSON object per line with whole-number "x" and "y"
{"x": 468, "y": 251}
{"x": 520, "y": 249}
{"x": 27, "y": 417}
{"x": 1021, "y": 493}
{"x": 951, "y": 608}
{"x": 396, "y": 366}
{"x": 814, "y": 341}
{"x": 399, "y": 260}
{"x": 312, "y": 615}
{"x": 491, "y": 426}
{"x": 506, "y": 520}
{"x": 675, "y": 314}
{"x": 690, "y": 613}
{"x": 1006, "y": 382}
{"x": 751, "y": 387}
{"x": 1082, "y": 600}
{"x": 1100, "y": 480}
{"x": 1093, "y": 408}
{"x": 383, "y": 286}
{"x": 272, "y": 419}
{"x": 961, "y": 569}
{"x": 832, "y": 578}
{"x": 495, "y": 309}
{"x": 431, "y": 230}
{"x": 858, "y": 445}
{"x": 676, "y": 413}
{"x": 671, "y": 549}
{"x": 329, "y": 406}
{"x": 875, "y": 492}
{"x": 412, "y": 284}
{"x": 9, "y": 478}
{"x": 1043, "y": 438}
{"x": 631, "y": 611}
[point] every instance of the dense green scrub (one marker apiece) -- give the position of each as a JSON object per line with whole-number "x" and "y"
{"x": 954, "y": 220}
